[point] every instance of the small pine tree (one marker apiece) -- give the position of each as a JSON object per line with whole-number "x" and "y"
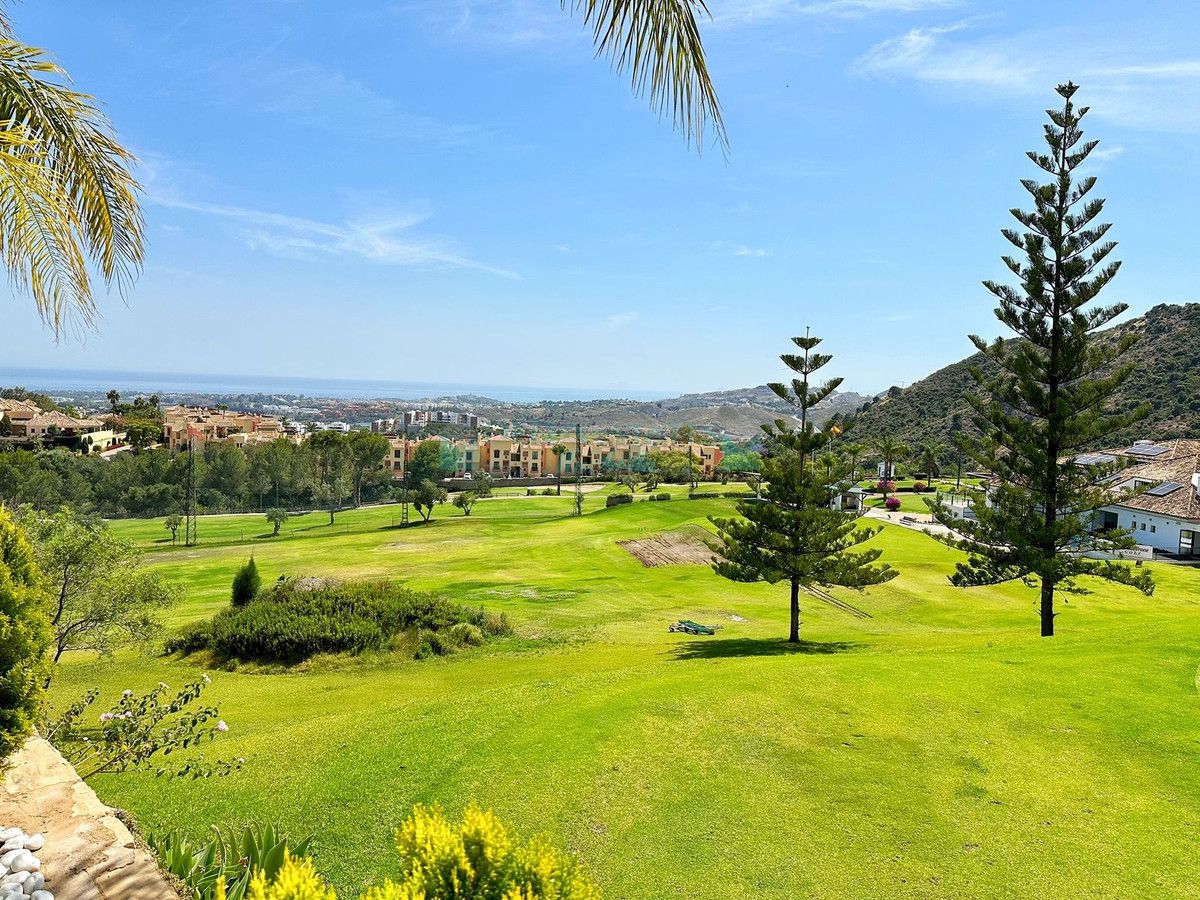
{"x": 1049, "y": 396}
{"x": 246, "y": 583}
{"x": 793, "y": 533}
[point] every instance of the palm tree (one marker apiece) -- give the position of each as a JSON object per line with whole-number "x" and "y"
{"x": 558, "y": 450}
{"x": 928, "y": 453}
{"x": 657, "y": 43}
{"x": 67, "y": 198}
{"x": 853, "y": 454}
{"x": 890, "y": 451}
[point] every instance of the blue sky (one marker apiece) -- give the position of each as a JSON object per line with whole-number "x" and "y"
{"x": 456, "y": 190}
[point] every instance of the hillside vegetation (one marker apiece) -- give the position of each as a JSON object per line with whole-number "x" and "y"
{"x": 1166, "y": 374}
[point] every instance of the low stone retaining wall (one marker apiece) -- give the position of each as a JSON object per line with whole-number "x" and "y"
{"x": 89, "y": 854}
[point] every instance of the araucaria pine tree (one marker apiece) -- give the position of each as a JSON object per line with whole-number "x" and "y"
{"x": 1050, "y": 392}
{"x": 794, "y": 533}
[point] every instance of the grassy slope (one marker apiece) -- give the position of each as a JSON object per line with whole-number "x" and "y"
{"x": 938, "y": 749}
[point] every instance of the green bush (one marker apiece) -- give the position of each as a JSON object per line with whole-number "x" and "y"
{"x": 235, "y": 856}
{"x": 466, "y": 634}
{"x": 246, "y": 583}
{"x": 663, "y": 496}
{"x": 287, "y": 625}
{"x": 548, "y": 492}
{"x": 24, "y": 635}
{"x": 617, "y": 500}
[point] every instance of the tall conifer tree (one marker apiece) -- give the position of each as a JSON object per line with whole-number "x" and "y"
{"x": 1051, "y": 391}
{"x": 793, "y": 533}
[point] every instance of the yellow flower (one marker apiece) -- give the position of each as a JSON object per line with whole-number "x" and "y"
{"x": 296, "y": 880}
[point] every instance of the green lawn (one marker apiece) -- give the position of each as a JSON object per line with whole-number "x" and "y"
{"x": 937, "y": 749}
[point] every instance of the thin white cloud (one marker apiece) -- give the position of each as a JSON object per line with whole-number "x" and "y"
{"x": 1162, "y": 94}
{"x": 620, "y": 320}
{"x": 743, "y": 250}
{"x": 751, "y": 11}
{"x": 381, "y": 240}
{"x": 562, "y": 248}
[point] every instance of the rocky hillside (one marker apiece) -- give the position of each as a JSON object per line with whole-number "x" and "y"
{"x": 1166, "y": 373}
{"x": 736, "y": 414}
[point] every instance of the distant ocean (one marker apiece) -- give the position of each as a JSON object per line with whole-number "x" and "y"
{"x": 68, "y": 380}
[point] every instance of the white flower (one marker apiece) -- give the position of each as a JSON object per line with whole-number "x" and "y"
{"x": 207, "y": 680}
{"x": 127, "y": 693}
{"x": 128, "y": 714}
{"x": 222, "y": 727}
{"x": 241, "y": 760}
{"x": 162, "y": 685}
{"x": 106, "y": 717}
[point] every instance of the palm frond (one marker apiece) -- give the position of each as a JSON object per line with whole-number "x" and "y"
{"x": 658, "y": 43}
{"x": 82, "y": 197}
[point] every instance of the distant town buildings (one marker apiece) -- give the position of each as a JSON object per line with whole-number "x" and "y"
{"x": 421, "y": 418}
{"x": 28, "y": 423}
{"x": 528, "y": 457}
{"x": 205, "y": 425}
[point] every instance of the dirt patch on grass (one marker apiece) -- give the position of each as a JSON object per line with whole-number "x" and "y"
{"x": 673, "y": 548}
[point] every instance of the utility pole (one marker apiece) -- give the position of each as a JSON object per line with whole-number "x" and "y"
{"x": 404, "y": 479}
{"x": 578, "y": 471}
{"x": 190, "y": 524}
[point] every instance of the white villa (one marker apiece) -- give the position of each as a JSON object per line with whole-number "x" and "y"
{"x": 1157, "y": 495}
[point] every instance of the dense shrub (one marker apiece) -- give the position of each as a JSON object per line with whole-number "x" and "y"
{"x": 617, "y": 500}
{"x": 246, "y": 583}
{"x": 289, "y": 624}
{"x": 662, "y": 496}
{"x": 892, "y": 503}
{"x": 24, "y": 635}
{"x": 548, "y": 492}
{"x": 920, "y": 487}
{"x": 885, "y": 486}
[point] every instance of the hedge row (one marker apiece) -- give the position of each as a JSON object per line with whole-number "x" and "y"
{"x": 289, "y": 625}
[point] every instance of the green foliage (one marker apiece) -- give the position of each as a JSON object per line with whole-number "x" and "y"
{"x": 1051, "y": 393}
{"x": 237, "y": 857}
{"x": 465, "y": 500}
{"x": 172, "y": 524}
{"x": 278, "y": 517}
{"x": 478, "y": 860}
{"x": 617, "y": 500}
{"x": 482, "y": 483}
{"x": 288, "y": 624}
{"x": 24, "y": 634}
{"x": 246, "y": 583}
{"x": 103, "y": 598}
{"x": 792, "y": 534}
{"x": 674, "y": 466}
{"x": 426, "y": 463}
{"x": 153, "y": 732}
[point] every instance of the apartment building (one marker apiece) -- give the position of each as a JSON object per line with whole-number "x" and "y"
{"x": 213, "y": 425}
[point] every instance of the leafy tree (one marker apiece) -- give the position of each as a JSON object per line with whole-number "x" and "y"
{"x": 629, "y": 480}
{"x": 246, "y": 583}
{"x": 482, "y": 483}
{"x": 1051, "y": 391}
{"x": 928, "y": 454}
{"x": 792, "y": 534}
{"x": 674, "y": 466}
{"x": 686, "y": 434}
{"x": 114, "y": 399}
{"x": 425, "y": 496}
{"x": 140, "y": 434}
{"x": 26, "y": 632}
{"x": 426, "y": 463}
{"x": 853, "y": 453}
{"x": 278, "y": 517}
{"x": 331, "y": 470}
{"x": 101, "y": 597}
{"x": 464, "y": 500}
{"x": 368, "y": 450}
{"x": 174, "y": 520}
{"x": 5, "y": 425}
{"x": 891, "y": 452}
{"x": 559, "y": 450}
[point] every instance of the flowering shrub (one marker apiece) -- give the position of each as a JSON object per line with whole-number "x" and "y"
{"x": 477, "y": 860}
{"x": 885, "y": 486}
{"x": 892, "y": 503}
{"x": 920, "y": 487}
{"x": 226, "y": 861}
{"x": 138, "y": 733}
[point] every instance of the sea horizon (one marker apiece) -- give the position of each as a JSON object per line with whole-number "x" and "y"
{"x": 54, "y": 380}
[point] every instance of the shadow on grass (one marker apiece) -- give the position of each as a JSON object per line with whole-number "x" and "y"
{"x": 725, "y": 648}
